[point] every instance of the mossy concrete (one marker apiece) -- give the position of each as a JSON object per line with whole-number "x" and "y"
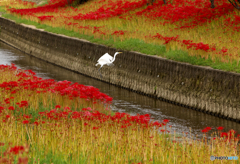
{"x": 205, "y": 89}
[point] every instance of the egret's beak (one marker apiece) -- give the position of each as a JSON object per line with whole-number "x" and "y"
{"x": 119, "y": 52}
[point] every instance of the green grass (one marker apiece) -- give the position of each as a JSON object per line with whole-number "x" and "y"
{"x": 51, "y": 157}
{"x": 135, "y": 45}
{"x": 2, "y": 9}
{"x": 44, "y": 2}
{"x": 182, "y": 56}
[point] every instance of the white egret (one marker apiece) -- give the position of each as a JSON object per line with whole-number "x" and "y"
{"x": 106, "y": 59}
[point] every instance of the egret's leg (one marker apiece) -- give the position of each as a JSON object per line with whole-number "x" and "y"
{"x": 100, "y": 72}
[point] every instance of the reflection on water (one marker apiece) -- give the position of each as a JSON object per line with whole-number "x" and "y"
{"x": 180, "y": 118}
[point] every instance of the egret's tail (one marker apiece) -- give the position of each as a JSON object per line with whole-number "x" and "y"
{"x": 97, "y": 64}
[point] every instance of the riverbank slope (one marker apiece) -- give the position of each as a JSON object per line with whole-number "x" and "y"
{"x": 205, "y": 89}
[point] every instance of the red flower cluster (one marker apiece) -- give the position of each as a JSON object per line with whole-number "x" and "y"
{"x": 228, "y": 135}
{"x": 45, "y": 17}
{"x": 120, "y": 32}
{"x": 124, "y": 120}
{"x": 206, "y": 129}
{"x": 28, "y": 80}
{"x": 11, "y": 108}
{"x": 25, "y": 122}
{"x": 50, "y": 7}
{"x": 22, "y": 104}
{"x": 113, "y": 9}
{"x": 167, "y": 39}
{"x": 17, "y": 149}
{"x": 189, "y": 43}
{"x": 186, "y": 12}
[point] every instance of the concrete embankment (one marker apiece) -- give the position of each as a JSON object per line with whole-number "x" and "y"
{"x": 205, "y": 89}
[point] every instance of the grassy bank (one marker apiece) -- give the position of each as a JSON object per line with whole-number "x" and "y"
{"x": 137, "y": 45}
{"x": 45, "y": 121}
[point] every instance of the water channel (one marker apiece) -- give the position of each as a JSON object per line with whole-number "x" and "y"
{"x": 181, "y": 119}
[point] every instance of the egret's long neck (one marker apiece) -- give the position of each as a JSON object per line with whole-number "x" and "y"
{"x": 114, "y": 57}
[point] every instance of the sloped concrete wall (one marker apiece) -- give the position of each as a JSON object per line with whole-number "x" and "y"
{"x": 211, "y": 91}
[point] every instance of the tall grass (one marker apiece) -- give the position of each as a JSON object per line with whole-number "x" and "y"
{"x": 43, "y": 122}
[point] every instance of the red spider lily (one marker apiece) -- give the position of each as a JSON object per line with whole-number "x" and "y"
{"x": 167, "y": 39}
{"x": 7, "y": 116}
{"x": 22, "y": 104}
{"x": 204, "y": 131}
{"x": 120, "y": 32}
{"x": 114, "y": 9}
{"x": 189, "y": 43}
{"x": 97, "y": 30}
{"x": 36, "y": 123}
{"x": 57, "y": 106}
{"x": 220, "y": 128}
{"x": 66, "y": 108}
{"x": 41, "y": 113}
{"x": 224, "y": 134}
{"x": 228, "y": 135}
{"x": 47, "y": 8}
{"x": 25, "y": 122}
{"x": 156, "y": 123}
{"x": 94, "y": 128}
{"x": 62, "y": 87}
{"x": 162, "y": 130}
{"x": 11, "y": 108}
{"x": 16, "y": 149}
{"x": 199, "y": 12}
{"x": 45, "y": 17}
{"x": 208, "y": 128}
{"x": 165, "y": 120}
{"x": 26, "y": 116}
{"x": 2, "y": 144}
{"x": 7, "y": 101}
{"x": 86, "y": 109}
{"x": 53, "y": 110}
{"x": 123, "y": 126}
{"x": 13, "y": 92}
{"x": 87, "y": 113}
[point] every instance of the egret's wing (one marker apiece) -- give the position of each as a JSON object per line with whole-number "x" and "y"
{"x": 105, "y": 58}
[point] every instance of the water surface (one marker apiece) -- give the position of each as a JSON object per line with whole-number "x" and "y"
{"x": 181, "y": 119}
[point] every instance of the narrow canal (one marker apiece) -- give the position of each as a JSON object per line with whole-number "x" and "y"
{"x": 181, "y": 119}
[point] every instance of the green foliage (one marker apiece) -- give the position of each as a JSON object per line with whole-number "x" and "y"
{"x": 2, "y": 9}
{"x": 140, "y": 46}
{"x": 76, "y": 3}
{"x": 51, "y": 157}
{"x": 182, "y": 56}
